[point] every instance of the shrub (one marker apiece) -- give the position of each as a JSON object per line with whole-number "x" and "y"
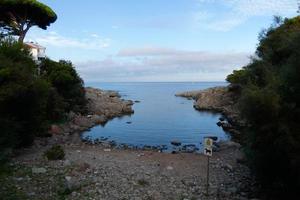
{"x": 270, "y": 102}
{"x": 66, "y": 82}
{"x": 23, "y": 97}
{"x": 55, "y": 153}
{"x": 32, "y": 96}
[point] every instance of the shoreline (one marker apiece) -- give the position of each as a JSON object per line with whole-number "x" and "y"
{"x": 221, "y": 100}
{"x": 102, "y": 106}
{"x": 100, "y": 171}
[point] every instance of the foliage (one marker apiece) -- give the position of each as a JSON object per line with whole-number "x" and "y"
{"x": 55, "y": 153}
{"x": 22, "y": 97}
{"x": 32, "y": 96}
{"x": 18, "y": 16}
{"x": 269, "y": 101}
{"x": 67, "y": 83}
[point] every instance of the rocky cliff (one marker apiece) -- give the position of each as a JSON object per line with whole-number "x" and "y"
{"x": 218, "y": 99}
{"x": 102, "y": 106}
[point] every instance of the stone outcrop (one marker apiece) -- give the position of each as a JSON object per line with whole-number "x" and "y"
{"x": 218, "y": 99}
{"x": 102, "y": 106}
{"x": 107, "y": 103}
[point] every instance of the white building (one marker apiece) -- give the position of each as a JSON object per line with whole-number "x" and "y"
{"x": 37, "y": 51}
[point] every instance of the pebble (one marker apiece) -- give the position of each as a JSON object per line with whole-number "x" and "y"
{"x": 40, "y": 170}
{"x": 107, "y": 150}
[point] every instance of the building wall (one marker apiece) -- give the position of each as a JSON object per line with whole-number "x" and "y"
{"x": 34, "y": 53}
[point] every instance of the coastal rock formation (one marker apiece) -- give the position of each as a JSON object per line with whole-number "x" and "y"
{"x": 102, "y": 105}
{"x": 218, "y": 99}
{"x": 107, "y": 103}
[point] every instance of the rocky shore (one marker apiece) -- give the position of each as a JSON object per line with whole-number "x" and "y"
{"x": 102, "y": 106}
{"x": 222, "y": 100}
{"x": 90, "y": 171}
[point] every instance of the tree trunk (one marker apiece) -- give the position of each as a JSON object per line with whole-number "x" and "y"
{"x": 21, "y": 37}
{"x": 23, "y": 33}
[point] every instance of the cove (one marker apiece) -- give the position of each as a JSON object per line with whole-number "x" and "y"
{"x": 159, "y": 116}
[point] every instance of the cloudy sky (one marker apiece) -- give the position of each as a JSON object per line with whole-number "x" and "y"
{"x": 157, "y": 40}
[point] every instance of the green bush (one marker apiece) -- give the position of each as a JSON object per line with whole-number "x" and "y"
{"x": 23, "y": 97}
{"x": 270, "y": 102}
{"x": 32, "y": 96}
{"x": 55, "y": 153}
{"x": 66, "y": 82}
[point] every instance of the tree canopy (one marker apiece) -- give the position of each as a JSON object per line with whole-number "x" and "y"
{"x": 18, "y": 16}
{"x": 270, "y": 86}
{"x": 33, "y": 96}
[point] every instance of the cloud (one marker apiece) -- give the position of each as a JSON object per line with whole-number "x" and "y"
{"x": 236, "y": 12}
{"x": 162, "y": 64}
{"x": 148, "y": 51}
{"x": 90, "y": 42}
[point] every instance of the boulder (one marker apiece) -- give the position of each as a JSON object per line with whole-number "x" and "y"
{"x": 219, "y": 123}
{"x": 175, "y": 142}
{"x": 71, "y": 184}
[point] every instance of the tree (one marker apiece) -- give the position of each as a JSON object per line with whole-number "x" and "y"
{"x": 271, "y": 87}
{"x": 18, "y": 16}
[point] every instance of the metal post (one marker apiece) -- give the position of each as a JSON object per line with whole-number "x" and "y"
{"x": 207, "y": 177}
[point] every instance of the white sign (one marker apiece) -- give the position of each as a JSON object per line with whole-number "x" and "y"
{"x": 208, "y": 151}
{"x": 208, "y": 142}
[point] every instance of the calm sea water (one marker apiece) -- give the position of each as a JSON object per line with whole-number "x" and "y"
{"x": 160, "y": 117}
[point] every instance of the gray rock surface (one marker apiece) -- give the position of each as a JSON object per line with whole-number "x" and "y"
{"x": 93, "y": 173}
{"x": 102, "y": 106}
{"x": 218, "y": 99}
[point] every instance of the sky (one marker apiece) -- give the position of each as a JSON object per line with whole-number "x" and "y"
{"x": 157, "y": 40}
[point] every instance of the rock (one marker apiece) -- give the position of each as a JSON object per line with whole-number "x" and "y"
{"x": 226, "y": 126}
{"x": 219, "y": 123}
{"x": 71, "y": 183}
{"x": 67, "y": 162}
{"x": 36, "y": 170}
{"x": 190, "y": 148}
{"x": 217, "y": 99}
{"x": 98, "y": 119}
{"x": 83, "y": 167}
{"x": 170, "y": 168}
{"x": 107, "y": 103}
{"x": 137, "y": 101}
{"x": 82, "y": 121}
{"x": 228, "y": 167}
{"x": 107, "y": 150}
{"x": 175, "y": 142}
{"x": 128, "y": 122}
{"x": 222, "y": 119}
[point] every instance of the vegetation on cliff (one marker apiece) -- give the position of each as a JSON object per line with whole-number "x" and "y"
{"x": 33, "y": 95}
{"x": 269, "y": 89}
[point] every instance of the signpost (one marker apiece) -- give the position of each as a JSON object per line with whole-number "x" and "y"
{"x": 208, "y": 142}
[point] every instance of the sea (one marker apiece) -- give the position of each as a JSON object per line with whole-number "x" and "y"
{"x": 159, "y": 117}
